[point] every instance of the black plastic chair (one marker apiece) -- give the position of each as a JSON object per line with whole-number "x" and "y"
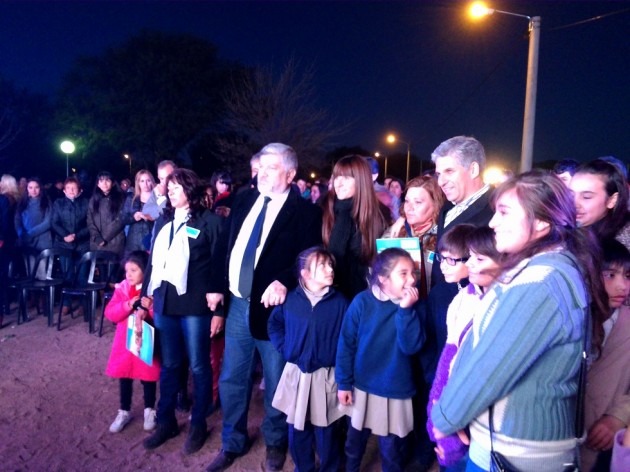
{"x": 54, "y": 277}
{"x": 102, "y": 268}
{"x": 107, "y": 296}
{"x": 18, "y": 274}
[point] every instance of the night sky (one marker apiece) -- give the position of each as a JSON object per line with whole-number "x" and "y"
{"x": 421, "y": 69}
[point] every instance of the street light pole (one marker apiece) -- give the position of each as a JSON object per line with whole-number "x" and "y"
{"x": 377, "y": 155}
{"x": 477, "y": 10}
{"x": 392, "y": 139}
{"x": 529, "y": 118}
{"x": 128, "y": 157}
{"x": 67, "y": 147}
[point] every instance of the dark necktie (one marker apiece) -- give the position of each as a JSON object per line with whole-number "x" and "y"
{"x": 249, "y": 256}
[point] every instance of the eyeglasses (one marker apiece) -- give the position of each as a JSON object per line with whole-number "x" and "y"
{"x": 449, "y": 260}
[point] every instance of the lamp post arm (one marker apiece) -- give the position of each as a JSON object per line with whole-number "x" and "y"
{"x": 529, "y": 18}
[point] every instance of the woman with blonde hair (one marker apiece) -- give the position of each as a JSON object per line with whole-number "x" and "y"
{"x": 353, "y": 219}
{"x": 421, "y": 203}
{"x": 140, "y": 225}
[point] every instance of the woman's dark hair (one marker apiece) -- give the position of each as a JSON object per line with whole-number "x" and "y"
{"x": 455, "y": 240}
{"x": 366, "y": 210}
{"x": 615, "y": 254}
{"x": 116, "y": 196}
{"x": 323, "y": 193}
{"x": 385, "y": 262}
{"x": 544, "y": 197}
{"x": 139, "y": 258}
{"x": 44, "y": 202}
{"x": 304, "y": 258}
{"x": 481, "y": 241}
{"x": 193, "y": 189}
{"x": 221, "y": 176}
{"x": 614, "y": 182}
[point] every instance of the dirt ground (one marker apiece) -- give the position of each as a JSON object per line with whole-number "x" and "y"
{"x": 57, "y": 405}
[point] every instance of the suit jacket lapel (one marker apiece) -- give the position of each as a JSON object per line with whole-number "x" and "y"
{"x": 283, "y": 218}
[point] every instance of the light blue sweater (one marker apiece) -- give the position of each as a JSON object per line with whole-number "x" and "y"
{"x": 523, "y": 354}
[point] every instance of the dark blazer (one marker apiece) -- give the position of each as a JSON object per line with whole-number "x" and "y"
{"x": 202, "y": 273}
{"x": 478, "y": 214}
{"x": 297, "y": 227}
{"x": 70, "y": 217}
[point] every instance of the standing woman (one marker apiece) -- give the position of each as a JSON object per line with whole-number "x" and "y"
{"x": 601, "y": 200}
{"x": 352, "y": 221}
{"x": 182, "y": 274}
{"x": 528, "y": 333}
{"x": 422, "y": 201}
{"x": 33, "y": 222}
{"x": 104, "y": 216}
{"x": 140, "y": 225}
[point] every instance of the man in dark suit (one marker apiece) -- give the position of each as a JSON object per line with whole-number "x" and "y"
{"x": 459, "y": 165}
{"x": 279, "y": 224}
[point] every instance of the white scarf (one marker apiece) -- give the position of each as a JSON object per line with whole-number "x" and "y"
{"x": 170, "y": 264}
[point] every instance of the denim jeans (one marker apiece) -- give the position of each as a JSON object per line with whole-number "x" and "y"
{"x": 235, "y": 382}
{"x": 180, "y": 335}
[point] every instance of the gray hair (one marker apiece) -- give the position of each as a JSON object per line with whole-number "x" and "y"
{"x": 163, "y": 164}
{"x": 465, "y": 149}
{"x": 287, "y": 153}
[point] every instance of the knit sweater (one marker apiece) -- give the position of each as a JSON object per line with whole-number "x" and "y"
{"x": 523, "y": 357}
{"x": 33, "y": 226}
{"x": 377, "y": 341}
{"x": 307, "y": 335}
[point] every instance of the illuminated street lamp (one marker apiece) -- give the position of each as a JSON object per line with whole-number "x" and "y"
{"x": 478, "y": 10}
{"x": 391, "y": 139}
{"x": 67, "y": 147}
{"x": 128, "y": 157}
{"x": 377, "y": 155}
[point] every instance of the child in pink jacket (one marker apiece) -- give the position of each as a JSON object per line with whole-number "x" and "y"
{"x": 122, "y": 363}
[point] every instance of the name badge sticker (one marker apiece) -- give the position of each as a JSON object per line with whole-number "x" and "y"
{"x": 192, "y": 232}
{"x": 431, "y": 257}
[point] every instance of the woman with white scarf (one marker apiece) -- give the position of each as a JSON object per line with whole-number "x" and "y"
{"x": 180, "y": 277}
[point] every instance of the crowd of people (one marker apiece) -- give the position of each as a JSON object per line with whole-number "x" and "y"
{"x": 503, "y": 340}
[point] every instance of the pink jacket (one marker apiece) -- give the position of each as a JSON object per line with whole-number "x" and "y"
{"x": 122, "y": 363}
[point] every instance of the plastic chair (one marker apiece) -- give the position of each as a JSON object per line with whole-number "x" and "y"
{"x": 55, "y": 277}
{"x": 107, "y": 296}
{"x": 107, "y": 264}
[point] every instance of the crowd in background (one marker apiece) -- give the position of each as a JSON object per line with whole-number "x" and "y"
{"x": 471, "y": 351}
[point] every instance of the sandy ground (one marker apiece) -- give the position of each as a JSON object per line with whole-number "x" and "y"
{"x": 57, "y": 405}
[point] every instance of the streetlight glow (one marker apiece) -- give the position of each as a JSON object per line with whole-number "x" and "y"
{"x": 392, "y": 139}
{"x": 67, "y": 147}
{"x": 479, "y": 10}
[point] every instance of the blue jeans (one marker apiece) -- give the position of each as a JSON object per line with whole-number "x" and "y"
{"x": 179, "y": 335}
{"x": 235, "y": 383}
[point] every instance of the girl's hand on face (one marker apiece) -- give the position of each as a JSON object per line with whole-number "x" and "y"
{"x": 410, "y": 296}
{"x": 345, "y": 397}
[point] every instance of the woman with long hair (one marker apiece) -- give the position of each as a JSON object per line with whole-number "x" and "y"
{"x": 601, "y": 200}
{"x": 516, "y": 377}
{"x": 353, "y": 219}
{"x": 422, "y": 200}
{"x": 33, "y": 221}
{"x": 140, "y": 225}
{"x": 104, "y": 216}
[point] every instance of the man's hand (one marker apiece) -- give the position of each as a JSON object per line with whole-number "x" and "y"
{"x": 274, "y": 295}
{"x": 214, "y": 300}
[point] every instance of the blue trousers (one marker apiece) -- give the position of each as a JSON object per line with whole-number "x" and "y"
{"x": 235, "y": 382}
{"x": 326, "y": 441}
{"x": 180, "y": 335}
{"x": 392, "y": 449}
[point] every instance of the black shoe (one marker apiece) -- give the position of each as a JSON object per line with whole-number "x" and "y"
{"x": 196, "y": 438}
{"x": 223, "y": 461}
{"x": 162, "y": 434}
{"x": 275, "y": 458}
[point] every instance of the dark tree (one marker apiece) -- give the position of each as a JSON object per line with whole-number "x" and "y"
{"x": 152, "y": 97}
